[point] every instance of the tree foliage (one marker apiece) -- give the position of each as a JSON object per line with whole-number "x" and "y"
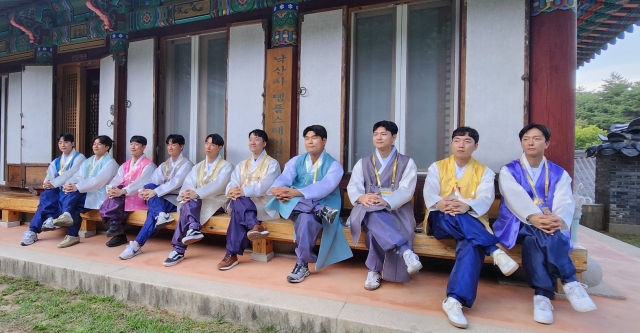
{"x": 588, "y": 136}
{"x": 617, "y": 102}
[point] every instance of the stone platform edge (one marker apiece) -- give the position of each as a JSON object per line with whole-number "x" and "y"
{"x": 206, "y": 299}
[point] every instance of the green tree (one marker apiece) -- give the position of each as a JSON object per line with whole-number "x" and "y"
{"x": 588, "y": 136}
{"x": 617, "y": 102}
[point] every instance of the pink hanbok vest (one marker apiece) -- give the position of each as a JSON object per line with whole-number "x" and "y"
{"x": 132, "y": 201}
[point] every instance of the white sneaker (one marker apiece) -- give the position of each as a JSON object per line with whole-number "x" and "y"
{"x": 131, "y": 251}
{"x": 412, "y": 261}
{"x": 29, "y": 238}
{"x": 163, "y": 220}
{"x": 507, "y": 265}
{"x": 578, "y": 297}
{"x": 373, "y": 281}
{"x": 48, "y": 225}
{"x": 453, "y": 309}
{"x": 542, "y": 310}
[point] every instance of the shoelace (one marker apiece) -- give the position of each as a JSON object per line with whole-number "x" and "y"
{"x": 500, "y": 259}
{"x": 456, "y": 306}
{"x": 173, "y": 254}
{"x": 373, "y": 277}
{"x": 226, "y": 258}
{"x": 578, "y": 292}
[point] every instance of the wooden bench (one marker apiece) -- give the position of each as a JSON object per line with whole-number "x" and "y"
{"x": 279, "y": 230}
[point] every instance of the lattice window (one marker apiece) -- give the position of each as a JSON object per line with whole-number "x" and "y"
{"x": 68, "y": 117}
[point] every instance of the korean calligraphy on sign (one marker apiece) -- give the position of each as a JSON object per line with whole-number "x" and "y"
{"x": 278, "y": 124}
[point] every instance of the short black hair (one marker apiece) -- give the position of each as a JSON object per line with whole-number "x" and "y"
{"x": 388, "y": 125}
{"x": 260, "y": 133}
{"x": 66, "y": 137}
{"x": 318, "y": 129}
{"x": 465, "y": 130}
{"x": 544, "y": 129}
{"x": 216, "y": 139}
{"x": 138, "y": 139}
{"x": 105, "y": 140}
{"x": 175, "y": 138}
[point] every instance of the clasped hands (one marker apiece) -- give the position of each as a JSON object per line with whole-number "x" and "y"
{"x": 115, "y": 192}
{"x": 47, "y": 185}
{"x": 235, "y": 193}
{"x": 547, "y": 222}
{"x": 188, "y": 195}
{"x": 147, "y": 194}
{"x": 284, "y": 194}
{"x": 452, "y": 206}
{"x": 372, "y": 199}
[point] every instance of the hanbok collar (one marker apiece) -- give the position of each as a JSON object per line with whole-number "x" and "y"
{"x": 177, "y": 161}
{"x": 253, "y": 163}
{"x": 534, "y": 173}
{"x": 315, "y": 166}
{"x": 64, "y": 159}
{"x": 210, "y": 166}
{"x": 385, "y": 161}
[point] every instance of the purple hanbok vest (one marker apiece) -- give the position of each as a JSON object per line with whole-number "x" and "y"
{"x": 507, "y": 225}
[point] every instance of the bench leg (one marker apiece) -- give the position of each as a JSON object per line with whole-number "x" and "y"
{"x": 87, "y": 229}
{"x": 10, "y": 219}
{"x": 262, "y": 250}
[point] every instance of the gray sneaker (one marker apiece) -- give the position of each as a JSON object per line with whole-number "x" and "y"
{"x": 48, "y": 225}
{"x": 299, "y": 273}
{"x": 192, "y": 237}
{"x": 173, "y": 259}
{"x": 63, "y": 220}
{"x": 328, "y": 213}
{"x": 163, "y": 220}
{"x": 29, "y": 238}
{"x": 130, "y": 251}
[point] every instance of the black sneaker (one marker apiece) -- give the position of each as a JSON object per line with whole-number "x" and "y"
{"x": 299, "y": 273}
{"x": 328, "y": 213}
{"x": 117, "y": 240}
{"x": 114, "y": 230}
{"x": 173, "y": 259}
{"x": 192, "y": 237}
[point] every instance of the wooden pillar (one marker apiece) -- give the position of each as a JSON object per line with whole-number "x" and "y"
{"x": 553, "y": 59}
{"x": 120, "y": 125}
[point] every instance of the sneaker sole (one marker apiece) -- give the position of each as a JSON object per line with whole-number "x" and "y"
{"x": 163, "y": 224}
{"x": 169, "y": 264}
{"x": 415, "y": 270}
{"x": 125, "y": 241}
{"x": 50, "y": 229}
{"x": 298, "y": 280}
{"x": 255, "y": 235}
{"x": 67, "y": 245}
{"x": 542, "y": 321}
{"x": 112, "y": 234}
{"x": 372, "y": 288}
{"x": 62, "y": 224}
{"x": 134, "y": 254}
{"x": 25, "y": 244}
{"x": 453, "y": 323}
{"x": 189, "y": 241}
{"x": 511, "y": 271}
{"x": 228, "y": 267}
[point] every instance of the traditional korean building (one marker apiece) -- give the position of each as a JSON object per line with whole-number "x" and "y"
{"x": 194, "y": 67}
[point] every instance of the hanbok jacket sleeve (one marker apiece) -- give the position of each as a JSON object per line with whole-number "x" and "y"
{"x": 100, "y": 180}
{"x": 142, "y": 180}
{"x": 62, "y": 179}
{"x": 563, "y": 202}
{"x": 174, "y": 182}
{"x": 218, "y": 185}
{"x": 431, "y": 191}
{"x": 288, "y": 175}
{"x": 355, "y": 188}
{"x": 322, "y": 188}
{"x": 260, "y": 188}
{"x": 406, "y": 187}
{"x": 485, "y": 194}
{"x": 515, "y": 197}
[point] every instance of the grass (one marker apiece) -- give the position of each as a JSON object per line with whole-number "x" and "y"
{"x": 630, "y": 239}
{"x": 28, "y": 306}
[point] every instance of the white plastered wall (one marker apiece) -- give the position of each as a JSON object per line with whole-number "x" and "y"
{"x": 494, "y": 92}
{"x": 14, "y": 122}
{"x": 141, "y": 93}
{"x": 245, "y": 86}
{"x": 321, "y": 49}
{"x": 37, "y": 109}
{"x": 3, "y": 126}
{"x": 107, "y": 96}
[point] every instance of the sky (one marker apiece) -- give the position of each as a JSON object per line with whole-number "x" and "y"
{"x": 624, "y": 58}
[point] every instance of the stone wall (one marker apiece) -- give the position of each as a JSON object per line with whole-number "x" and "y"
{"x": 618, "y": 189}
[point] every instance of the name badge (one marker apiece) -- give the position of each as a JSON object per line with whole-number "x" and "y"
{"x": 385, "y": 191}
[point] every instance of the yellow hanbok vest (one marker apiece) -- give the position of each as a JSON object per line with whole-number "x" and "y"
{"x": 464, "y": 187}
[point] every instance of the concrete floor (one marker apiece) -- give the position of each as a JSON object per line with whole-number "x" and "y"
{"x": 498, "y": 307}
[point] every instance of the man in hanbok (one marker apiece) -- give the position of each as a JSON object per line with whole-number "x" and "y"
{"x": 458, "y": 193}
{"x": 536, "y": 211}
{"x": 380, "y": 189}
{"x": 307, "y": 192}
{"x": 86, "y": 189}
{"x": 248, "y": 193}
{"x": 123, "y": 191}
{"x": 201, "y": 196}
{"x": 59, "y": 171}
{"x": 161, "y": 194}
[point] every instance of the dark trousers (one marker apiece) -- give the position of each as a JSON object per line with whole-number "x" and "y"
{"x": 545, "y": 259}
{"x": 73, "y": 203}
{"x": 473, "y": 243}
{"x": 48, "y": 207}
{"x": 243, "y": 218}
{"x": 156, "y": 205}
{"x": 307, "y": 225}
{"x": 382, "y": 237}
{"x": 189, "y": 219}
